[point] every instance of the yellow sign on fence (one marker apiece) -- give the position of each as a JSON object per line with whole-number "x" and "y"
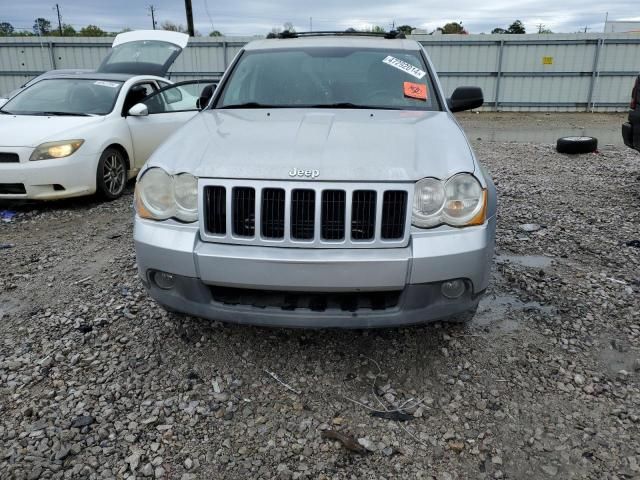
{"x": 547, "y": 60}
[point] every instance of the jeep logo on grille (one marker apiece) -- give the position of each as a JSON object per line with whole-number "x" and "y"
{"x": 297, "y": 172}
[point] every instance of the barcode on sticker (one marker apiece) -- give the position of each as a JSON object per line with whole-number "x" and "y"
{"x": 405, "y": 67}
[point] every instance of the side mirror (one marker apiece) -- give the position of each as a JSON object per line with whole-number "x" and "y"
{"x": 173, "y": 95}
{"x": 205, "y": 96}
{"x": 139, "y": 110}
{"x": 465, "y": 98}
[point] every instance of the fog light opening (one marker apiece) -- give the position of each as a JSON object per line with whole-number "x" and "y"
{"x": 164, "y": 280}
{"x": 453, "y": 289}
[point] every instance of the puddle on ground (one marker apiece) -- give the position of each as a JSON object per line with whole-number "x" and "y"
{"x": 505, "y": 312}
{"x": 531, "y": 261}
{"x": 616, "y": 355}
{"x": 544, "y": 135}
{"x": 7, "y": 306}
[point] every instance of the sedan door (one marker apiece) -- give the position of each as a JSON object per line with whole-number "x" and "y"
{"x": 160, "y": 114}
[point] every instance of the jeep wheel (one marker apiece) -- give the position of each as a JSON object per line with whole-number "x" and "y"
{"x": 572, "y": 145}
{"x": 112, "y": 174}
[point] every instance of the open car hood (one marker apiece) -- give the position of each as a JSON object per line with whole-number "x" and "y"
{"x": 144, "y": 52}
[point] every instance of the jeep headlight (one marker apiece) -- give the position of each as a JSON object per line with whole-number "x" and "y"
{"x": 160, "y": 196}
{"x": 428, "y": 201}
{"x": 185, "y": 188}
{"x": 459, "y": 201}
{"x": 61, "y": 149}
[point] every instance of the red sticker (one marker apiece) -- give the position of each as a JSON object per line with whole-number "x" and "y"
{"x": 415, "y": 90}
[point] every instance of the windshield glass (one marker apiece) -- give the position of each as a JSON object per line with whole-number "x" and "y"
{"x": 337, "y": 77}
{"x": 65, "y": 96}
{"x": 145, "y": 57}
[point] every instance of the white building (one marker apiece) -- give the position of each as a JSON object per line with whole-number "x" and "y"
{"x": 615, "y": 26}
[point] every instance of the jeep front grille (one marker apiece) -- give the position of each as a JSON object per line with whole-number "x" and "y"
{"x": 303, "y": 214}
{"x": 303, "y": 207}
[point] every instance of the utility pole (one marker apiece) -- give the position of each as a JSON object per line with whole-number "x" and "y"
{"x": 189, "y": 10}
{"x": 59, "y": 19}
{"x": 152, "y": 9}
{"x": 540, "y": 27}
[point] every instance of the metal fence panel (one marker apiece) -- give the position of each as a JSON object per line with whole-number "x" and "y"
{"x": 563, "y": 72}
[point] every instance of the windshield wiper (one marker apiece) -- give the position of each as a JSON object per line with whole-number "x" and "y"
{"x": 252, "y": 105}
{"x": 348, "y": 105}
{"x": 64, "y": 114}
{"x": 5, "y": 112}
{"x": 338, "y": 105}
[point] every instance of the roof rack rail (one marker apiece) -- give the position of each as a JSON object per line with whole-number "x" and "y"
{"x": 393, "y": 34}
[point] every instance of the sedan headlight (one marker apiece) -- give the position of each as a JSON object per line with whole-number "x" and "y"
{"x": 160, "y": 196}
{"x": 459, "y": 202}
{"x": 60, "y": 149}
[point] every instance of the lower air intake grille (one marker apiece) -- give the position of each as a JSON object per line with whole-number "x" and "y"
{"x": 12, "y": 189}
{"x": 9, "y": 157}
{"x": 316, "y": 301}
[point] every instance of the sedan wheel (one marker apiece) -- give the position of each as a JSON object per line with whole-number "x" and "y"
{"x": 112, "y": 174}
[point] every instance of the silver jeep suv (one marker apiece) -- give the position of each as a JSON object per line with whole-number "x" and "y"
{"x": 327, "y": 184}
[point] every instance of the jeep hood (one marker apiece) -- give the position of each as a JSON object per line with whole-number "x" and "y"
{"x": 351, "y": 145}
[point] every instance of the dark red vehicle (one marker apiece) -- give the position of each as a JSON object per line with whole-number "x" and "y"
{"x": 631, "y": 129}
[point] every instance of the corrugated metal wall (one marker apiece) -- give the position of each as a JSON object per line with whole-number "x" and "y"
{"x": 563, "y": 72}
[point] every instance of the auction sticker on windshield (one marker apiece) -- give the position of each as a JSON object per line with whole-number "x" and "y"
{"x": 415, "y": 90}
{"x": 102, "y": 83}
{"x": 405, "y": 67}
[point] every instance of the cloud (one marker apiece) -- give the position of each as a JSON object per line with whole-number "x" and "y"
{"x": 258, "y": 17}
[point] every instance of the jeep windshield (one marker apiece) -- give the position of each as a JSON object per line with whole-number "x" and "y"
{"x": 334, "y": 77}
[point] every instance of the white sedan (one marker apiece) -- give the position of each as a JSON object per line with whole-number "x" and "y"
{"x": 79, "y": 133}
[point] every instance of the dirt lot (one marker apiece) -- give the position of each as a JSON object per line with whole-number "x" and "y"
{"x": 96, "y": 381}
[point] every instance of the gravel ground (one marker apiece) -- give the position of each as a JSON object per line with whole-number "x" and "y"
{"x": 96, "y": 381}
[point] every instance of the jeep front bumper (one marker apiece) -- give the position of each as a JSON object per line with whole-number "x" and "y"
{"x": 294, "y": 287}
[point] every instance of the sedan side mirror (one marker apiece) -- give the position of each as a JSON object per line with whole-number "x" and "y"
{"x": 139, "y": 110}
{"x": 465, "y": 98}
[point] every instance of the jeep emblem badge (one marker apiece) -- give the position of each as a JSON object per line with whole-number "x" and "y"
{"x": 295, "y": 172}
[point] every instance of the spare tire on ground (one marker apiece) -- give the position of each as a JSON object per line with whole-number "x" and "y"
{"x": 577, "y": 144}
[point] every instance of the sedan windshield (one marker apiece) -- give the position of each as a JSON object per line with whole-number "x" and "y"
{"x": 65, "y": 96}
{"x": 337, "y": 77}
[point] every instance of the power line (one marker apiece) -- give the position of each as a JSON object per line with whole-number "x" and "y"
{"x": 59, "y": 19}
{"x": 206, "y": 9}
{"x": 189, "y": 11}
{"x": 152, "y": 9}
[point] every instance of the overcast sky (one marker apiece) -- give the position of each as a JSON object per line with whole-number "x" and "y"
{"x": 249, "y": 17}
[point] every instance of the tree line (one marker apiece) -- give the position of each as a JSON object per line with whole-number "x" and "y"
{"x": 42, "y": 27}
